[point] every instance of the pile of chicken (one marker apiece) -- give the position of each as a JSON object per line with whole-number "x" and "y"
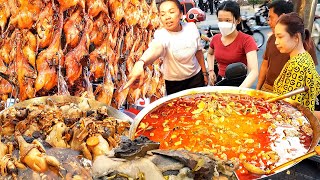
{"x": 66, "y": 46}
{"x": 26, "y": 131}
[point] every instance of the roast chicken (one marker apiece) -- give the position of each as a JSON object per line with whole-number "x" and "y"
{"x": 25, "y": 73}
{"x": 45, "y": 26}
{"x": 72, "y": 59}
{"x": 72, "y": 29}
{"x": 24, "y": 12}
{"x": 4, "y": 14}
{"x": 49, "y": 60}
{"x": 54, "y": 44}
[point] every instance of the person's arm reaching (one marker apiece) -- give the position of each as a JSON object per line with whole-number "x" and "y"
{"x": 200, "y": 58}
{"x": 150, "y": 55}
{"x": 262, "y": 74}
{"x": 252, "y": 64}
{"x": 210, "y": 60}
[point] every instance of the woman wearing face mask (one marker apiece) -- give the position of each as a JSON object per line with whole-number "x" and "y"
{"x": 231, "y": 46}
{"x": 178, "y": 43}
{"x": 299, "y": 70}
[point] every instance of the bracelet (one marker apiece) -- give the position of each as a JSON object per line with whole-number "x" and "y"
{"x": 205, "y": 73}
{"x": 211, "y": 70}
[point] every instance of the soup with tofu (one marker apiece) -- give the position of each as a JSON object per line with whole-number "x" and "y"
{"x": 230, "y": 126}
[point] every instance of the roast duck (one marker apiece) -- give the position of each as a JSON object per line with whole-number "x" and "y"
{"x": 47, "y": 44}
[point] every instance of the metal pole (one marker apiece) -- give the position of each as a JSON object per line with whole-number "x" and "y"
{"x": 306, "y": 9}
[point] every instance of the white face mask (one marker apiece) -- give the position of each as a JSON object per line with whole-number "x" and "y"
{"x": 226, "y": 28}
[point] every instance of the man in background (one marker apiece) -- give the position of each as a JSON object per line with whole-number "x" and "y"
{"x": 211, "y": 6}
{"x": 273, "y": 60}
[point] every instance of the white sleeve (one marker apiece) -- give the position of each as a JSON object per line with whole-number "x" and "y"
{"x": 159, "y": 36}
{"x": 196, "y": 34}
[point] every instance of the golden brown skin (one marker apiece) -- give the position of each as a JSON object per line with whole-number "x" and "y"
{"x": 72, "y": 29}
{"x": 5, "y": 86}
{"x": 31, "y": 155}
{"x": 98, "y": 33}
{"x": 29, "y": 47}
{"x": 121, "y": 96}
{"x": 4, "y": 14}
{"x": 104, "y": 91}
{"x": 133, "y": 12}
{"x": 97, "y": 63}
{"x": 72, "y": 59}
{"x": 6, "y": 48}
{"x": 25, "y": 74}
{"x": 145, "y": 14}
{"x": 95, "y": 7}
{"x": 48, "y": 60}
{"x": 24, "y": 12}
{"x": 45, "y": 26}
{"x": 154, "y": 18}
{"x": 117, "y": 9}
{"x": 66, "y": 4}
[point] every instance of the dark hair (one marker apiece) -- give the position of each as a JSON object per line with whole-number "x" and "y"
{"x": 294, "y": 24}
{"x": 178, "y": 4}
{"x": 230, "y": 6}
{"x": 281, "y": 7}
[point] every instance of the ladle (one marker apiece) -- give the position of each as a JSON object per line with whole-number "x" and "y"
{"x": 289, "y": 94}
{"x": 256, "y": 170}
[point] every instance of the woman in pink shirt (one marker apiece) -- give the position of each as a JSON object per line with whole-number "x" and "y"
{"x": 231, "y": 46}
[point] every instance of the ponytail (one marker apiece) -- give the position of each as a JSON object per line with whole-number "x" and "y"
{"x": 307, "y": 42}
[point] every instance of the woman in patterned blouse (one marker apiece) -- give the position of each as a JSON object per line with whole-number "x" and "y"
{"x": 299, "y": 71}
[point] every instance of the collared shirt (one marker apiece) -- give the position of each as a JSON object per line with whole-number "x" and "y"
{"x": 298, "y": 72}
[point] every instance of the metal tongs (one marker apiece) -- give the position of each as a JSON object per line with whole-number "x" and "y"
{"x": 289, "y": 94}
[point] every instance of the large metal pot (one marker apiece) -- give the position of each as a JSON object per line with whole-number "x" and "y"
{"x": 234, "y": 90}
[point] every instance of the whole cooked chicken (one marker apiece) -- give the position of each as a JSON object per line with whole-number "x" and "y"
{"x": 24, "y": 12}
{"x": 99, "y": 30}
{"x": 4, "y": 14}
{"x": 45, "y": 26}
{"x": 25, "y": 73}
{"x": 66, "y": 4}
{"x": 117, "y": 9}
{"x": 72, "y": 29}
{"x": 72, "y": 59}
{"x": 95, "y": 7}
{"x": 29, "y": 46}
{"x": 48, "y": 60}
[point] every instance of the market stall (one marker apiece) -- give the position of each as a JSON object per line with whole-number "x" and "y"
{"x": 78, "y": 48}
